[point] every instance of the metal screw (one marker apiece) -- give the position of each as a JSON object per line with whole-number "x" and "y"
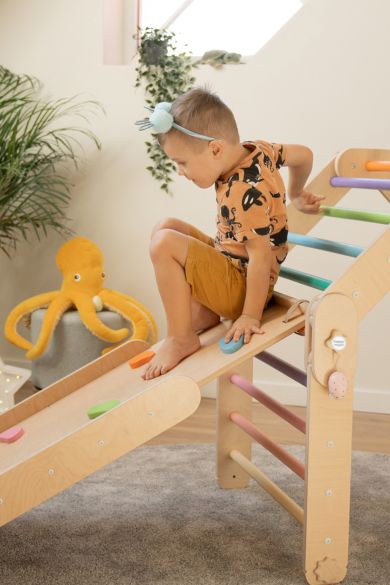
{"x": 51, "y": 471}
{"x": 355, "y": 294}
{"x": 328, "y": 492}
{"x": 150, "y": 413}
{"x": 353, "y": 165}
{"x": 330, "y": 444}
{"x": 328, "y": 540}
{"x": 101, "y": 443}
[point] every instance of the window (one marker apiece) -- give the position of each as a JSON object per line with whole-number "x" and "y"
{"x": 200, "y": 25}
{"x": 233, "y": 26}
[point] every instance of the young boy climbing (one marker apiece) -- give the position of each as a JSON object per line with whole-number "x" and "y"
{"x": 202, "y": 279}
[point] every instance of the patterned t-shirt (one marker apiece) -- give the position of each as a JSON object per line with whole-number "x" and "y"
{"x": 251, "y": 203}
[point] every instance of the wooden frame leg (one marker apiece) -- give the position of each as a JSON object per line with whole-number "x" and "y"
{"x": 329, "y": 442}
{"x": 229, "y": 436}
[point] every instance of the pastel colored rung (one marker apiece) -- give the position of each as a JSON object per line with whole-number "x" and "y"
{"x": 360, "y": 183}
{"x": 355, "y": 214}
{"x": 232, "y": 346}
{"x": 326, "y": 245}
{"x": 305, "y": 278}
{"x": 377, "y": 165}
{"x": 11, "y": 435}
{"x": 141, "y": 359}
{"x": 100, "y": 409}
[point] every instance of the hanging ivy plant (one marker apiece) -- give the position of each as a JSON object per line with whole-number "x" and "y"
{"x": 165, "y": 73}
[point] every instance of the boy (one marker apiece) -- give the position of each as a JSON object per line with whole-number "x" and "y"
{"x": 232, "y": 276}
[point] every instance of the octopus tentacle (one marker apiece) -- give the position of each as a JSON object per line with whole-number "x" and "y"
{"x": 53, "y": 314}
{"x": 144, "y": 325}
{"x": 87, "y": 310}
{"x": 24, "y": 308}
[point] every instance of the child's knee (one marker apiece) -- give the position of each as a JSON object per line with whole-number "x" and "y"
{"x": 163, "y": 244}
{"x": 167, "y": 223}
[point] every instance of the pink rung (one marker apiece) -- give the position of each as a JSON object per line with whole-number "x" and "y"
{"x": 269, "y": 402}
{"x": 270, "y": 445}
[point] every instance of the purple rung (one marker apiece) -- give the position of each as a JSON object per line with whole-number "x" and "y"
{"x": 357, "y": 183}
{"x": 292, "y": 462}
{"x": 269, "y": 402}
{"x": 284, "y": 367}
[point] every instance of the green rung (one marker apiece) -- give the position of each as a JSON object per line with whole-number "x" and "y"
{"x": 355, "y": 214}
{"x": 305, "y": 278}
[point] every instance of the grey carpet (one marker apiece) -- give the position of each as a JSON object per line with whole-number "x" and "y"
{"x": 157, "y": 517}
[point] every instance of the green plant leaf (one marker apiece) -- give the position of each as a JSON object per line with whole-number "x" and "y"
{"x": 162, "y": 82}
{"x": 35, "y": 154}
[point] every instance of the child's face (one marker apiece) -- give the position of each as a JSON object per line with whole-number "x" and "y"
{"x": 201, "y": 167}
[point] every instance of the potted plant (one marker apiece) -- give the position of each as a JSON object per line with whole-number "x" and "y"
{"x": 165, "y": 73}
{"x": 34, "y": 149}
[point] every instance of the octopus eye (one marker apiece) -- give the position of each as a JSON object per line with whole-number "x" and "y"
{"x": 77, "y": 277}
{"x": 103, "y": 275}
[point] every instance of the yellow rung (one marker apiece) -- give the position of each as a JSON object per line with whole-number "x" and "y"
{"x": 269, "y": 486}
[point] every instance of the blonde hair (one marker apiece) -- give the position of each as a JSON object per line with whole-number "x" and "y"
{"x": 202, "y": 111}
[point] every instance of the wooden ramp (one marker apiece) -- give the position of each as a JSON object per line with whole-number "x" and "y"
{"x": 62, "y": 446}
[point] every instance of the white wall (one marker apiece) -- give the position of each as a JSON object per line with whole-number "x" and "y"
{"x": 322, "y": 82}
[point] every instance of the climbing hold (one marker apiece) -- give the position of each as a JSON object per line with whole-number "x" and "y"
{"x": 232, "y": 346}
{"x": 11, "y": 435}
{"x": 99, "y": 409}
{"x": 141, "y": 359}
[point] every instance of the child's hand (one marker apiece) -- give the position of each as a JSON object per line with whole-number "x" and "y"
{"x": 244, "y": 325}
{"x": 308, "y": 202}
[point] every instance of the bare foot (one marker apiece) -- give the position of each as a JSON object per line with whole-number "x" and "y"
{"x": 172, "y": 351}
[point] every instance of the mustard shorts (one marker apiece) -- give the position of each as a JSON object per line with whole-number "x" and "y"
{"x": 215, "y": 281}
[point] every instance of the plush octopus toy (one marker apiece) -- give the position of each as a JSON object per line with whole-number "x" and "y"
{"x": 81, "y": 264}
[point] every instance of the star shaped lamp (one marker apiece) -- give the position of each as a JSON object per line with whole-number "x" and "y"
{"x": 11, "y": 379}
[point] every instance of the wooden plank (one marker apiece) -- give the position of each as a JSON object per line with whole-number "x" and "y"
{"x": 328, "y": 446}
{"x": 324, "y": 360}
{"x": 59, "y": 465}
{"x": 71, "y": 383}
{"x": 351, "y": 163}
{"x": 367, "y": 280}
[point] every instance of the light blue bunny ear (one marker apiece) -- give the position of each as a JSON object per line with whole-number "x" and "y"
{"x": 164, "y": 106}
{"x": 161, "y": 121}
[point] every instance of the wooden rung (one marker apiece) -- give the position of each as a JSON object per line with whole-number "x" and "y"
{"x": 269, "y": 486}
{"x": 305, "y": 278}
{"x": 284, "y": 367}
{"x": 325, "y": 245}
{"x": 377, "y": 165}
{"x": 277, "y": 451}
{"x": 269, "y": 402}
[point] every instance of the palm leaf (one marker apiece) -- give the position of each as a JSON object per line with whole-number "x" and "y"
{"x": 36, "y": 148}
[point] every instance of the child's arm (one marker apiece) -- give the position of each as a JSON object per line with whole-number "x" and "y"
{"x": 299, "y": 160}
{"x": 257, "y": 283}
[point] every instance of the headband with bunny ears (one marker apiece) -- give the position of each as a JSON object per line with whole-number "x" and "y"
{"x": 161, "y": 120}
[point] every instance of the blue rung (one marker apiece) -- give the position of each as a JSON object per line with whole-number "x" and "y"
{"x": 327, "y": 245}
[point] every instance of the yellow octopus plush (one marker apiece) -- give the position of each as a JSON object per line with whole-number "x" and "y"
{"x": 81, "y": 264}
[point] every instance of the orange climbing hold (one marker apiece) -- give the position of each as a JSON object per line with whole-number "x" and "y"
{"x": 141, "y": 359}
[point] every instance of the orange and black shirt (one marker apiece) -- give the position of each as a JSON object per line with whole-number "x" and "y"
{"x": 251, "y": 203}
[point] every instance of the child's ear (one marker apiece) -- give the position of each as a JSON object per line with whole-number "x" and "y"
{"x": 217, "y": 148}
